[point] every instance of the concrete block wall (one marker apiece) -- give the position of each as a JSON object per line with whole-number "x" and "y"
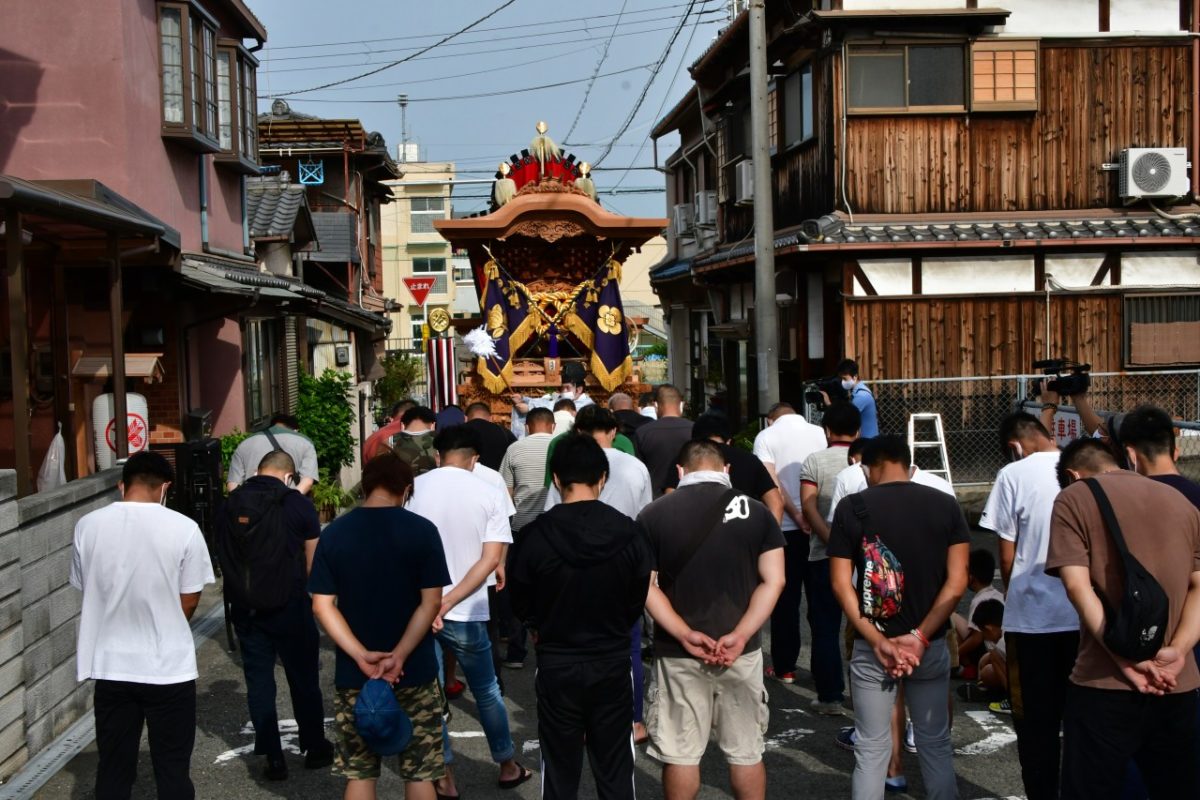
{"x": 39, "y": 614}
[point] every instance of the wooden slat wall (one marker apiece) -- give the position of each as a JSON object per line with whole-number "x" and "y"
{"x": 1095, "y": 101}
{"x": 936, "y": 337}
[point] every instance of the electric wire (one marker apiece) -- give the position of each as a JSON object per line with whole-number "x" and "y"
{"x": 377, "y": 70}
{"x": 650, "y": 82}
{"x": 599, "y": 63}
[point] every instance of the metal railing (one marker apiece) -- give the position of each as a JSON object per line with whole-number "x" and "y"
{"x": 972, "y": 408}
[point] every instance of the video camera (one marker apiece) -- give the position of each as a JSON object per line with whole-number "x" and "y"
{"x": 831, "y": 386}
{"x": 1069, "y": 377}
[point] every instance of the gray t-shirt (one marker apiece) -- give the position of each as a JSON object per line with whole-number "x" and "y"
{"x": 250, "y": 452}
{"x": 821, "y": 470}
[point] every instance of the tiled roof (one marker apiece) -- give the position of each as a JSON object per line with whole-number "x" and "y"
{"x": 1114, "y": 228}
{"x": 338, "y": 234}
{"x": 271, "y": 209}
{"x": 670, "y": 270}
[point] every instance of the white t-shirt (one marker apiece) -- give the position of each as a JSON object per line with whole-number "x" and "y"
{"x": 491, "y": 476}
{"x": 785, "y": 445}
{"x": 627, "y": 488}
{"x": 1019, "y": 510}
{"x": 468, "y": 511}
{"x": 132, "y": 561}
{"x": 853, "y": 480}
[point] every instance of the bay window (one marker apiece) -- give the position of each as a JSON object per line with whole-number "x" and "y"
{"x": 236, "y": 108}
{"x": 187, "y": 43}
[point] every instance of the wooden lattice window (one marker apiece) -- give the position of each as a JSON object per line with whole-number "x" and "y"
{"x": 1004, "y": 75}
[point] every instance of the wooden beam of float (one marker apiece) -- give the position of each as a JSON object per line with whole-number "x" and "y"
{"x": 536, "y": 215}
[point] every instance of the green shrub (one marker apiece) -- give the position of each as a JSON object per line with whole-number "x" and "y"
{"x": 229, "y": 443}
{"x": 326, "y": 417}
{"x": 402, "y": 372}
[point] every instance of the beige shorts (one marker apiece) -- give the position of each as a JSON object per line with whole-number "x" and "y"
{"x": 692, "y": 703}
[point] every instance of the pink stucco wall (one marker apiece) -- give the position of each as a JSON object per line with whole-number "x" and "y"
{"x": 80, "y": 98}
{"x": 214, "y": 351}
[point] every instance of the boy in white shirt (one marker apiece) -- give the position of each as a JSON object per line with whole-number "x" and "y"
{"x": 141, "y": 568}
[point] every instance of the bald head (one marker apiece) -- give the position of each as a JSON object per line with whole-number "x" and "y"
{"x": 620, "y": 401}
{"x": 779, "y": 410}
{"x": 668, "y": 401}
{"x": 277, "y": 464}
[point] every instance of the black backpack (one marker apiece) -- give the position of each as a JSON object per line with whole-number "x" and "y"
{"x": 253, "y": 548}
{"x": 1136, "y": 627}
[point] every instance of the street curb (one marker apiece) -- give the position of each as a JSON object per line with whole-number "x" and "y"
{"x": 38, "y": 771}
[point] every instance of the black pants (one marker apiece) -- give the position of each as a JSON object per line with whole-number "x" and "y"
{"x": 496, "y": 600}
{"x": 289, "y": 634}
{"x": 169, "y": 713}
{"x": 1039, "y": 672}
{"x": 785, "y": 619}
{"x": 1104, "y": 729}
{"x": 586, "y": 706}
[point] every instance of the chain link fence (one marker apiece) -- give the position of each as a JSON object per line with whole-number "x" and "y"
{"x": 971, "y": 410}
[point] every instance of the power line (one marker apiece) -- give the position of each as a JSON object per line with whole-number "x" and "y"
{"x": 488, "y": 49}
{"x": 666, "y": 96}
{"x": 376, "y": 71}
{"x": 599, "y": 63}
{"x": 270, "y": 48}
{"x": 646, "y": 89}
{"x": 466, "y": 41}
{"x": 471, "y": 96}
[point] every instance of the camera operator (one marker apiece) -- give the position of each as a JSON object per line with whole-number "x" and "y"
{"x": 858, "y": 394}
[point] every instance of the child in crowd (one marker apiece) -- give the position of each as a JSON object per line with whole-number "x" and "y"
{"x": 988, "y": 621}
{"x": 981, "y": 571}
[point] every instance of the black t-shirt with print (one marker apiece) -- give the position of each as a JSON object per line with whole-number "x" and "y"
{"x": 918, "y": 524}
{"x": 713, "y": 591}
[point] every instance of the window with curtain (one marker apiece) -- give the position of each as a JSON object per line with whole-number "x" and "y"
{"x": 171, "y": 34}
{"x": 225, "y": 89}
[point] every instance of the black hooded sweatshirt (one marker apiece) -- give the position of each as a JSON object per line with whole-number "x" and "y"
{"x": 578, "y": 576}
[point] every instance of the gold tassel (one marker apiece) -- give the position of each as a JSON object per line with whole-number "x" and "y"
{"x": 611, "y": 380}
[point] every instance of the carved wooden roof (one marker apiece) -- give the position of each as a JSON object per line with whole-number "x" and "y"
{"x": 551, "y": 212}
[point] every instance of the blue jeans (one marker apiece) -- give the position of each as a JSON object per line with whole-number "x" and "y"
{"x": 825, "y": 620}
{"x": 471, "y": 646}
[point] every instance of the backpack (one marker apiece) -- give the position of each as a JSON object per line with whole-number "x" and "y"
{"x": 1136, "y": 627}
{"x": 253, "y": 548}
{"x": 882, "y": 575}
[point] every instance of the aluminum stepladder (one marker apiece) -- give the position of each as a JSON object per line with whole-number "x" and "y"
{"x": 918, "y": 426}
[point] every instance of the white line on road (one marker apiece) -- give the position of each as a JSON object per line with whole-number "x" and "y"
{"x": 999, "y": 734}
{"x": 531, "y": 745}
{"x": 787, "y": 737}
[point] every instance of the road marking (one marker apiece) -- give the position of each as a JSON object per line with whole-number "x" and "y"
{"x": 467, "y": 734}
{"x": 289, "y": 735}
{"x": 787, "y": 737}
{"x": 999, "y": 734}
{"x": 531, "y": 745}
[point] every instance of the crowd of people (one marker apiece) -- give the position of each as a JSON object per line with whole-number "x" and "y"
{"x": 610, "y": 537}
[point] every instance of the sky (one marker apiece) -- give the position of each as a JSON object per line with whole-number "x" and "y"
{"x": 509, "y": 58}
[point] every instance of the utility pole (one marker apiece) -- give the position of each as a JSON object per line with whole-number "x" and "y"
{"x": 766, "y": 313}
{"x": 402, "y": 99}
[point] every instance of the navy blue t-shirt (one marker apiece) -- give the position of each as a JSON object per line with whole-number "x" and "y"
{"x": 1188, "y": 488}
{"x": 377, "y": 561}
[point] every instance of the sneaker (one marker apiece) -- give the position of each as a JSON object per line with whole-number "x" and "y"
{"x": 898, "y": 784}
{"x": 514, "y": 665}
{"x": 910, "y": 741}
{"x": 276, "y": 768}
{"x": 319, "y": 757}
{"x": 846, "y": 739}
{"x": 783, "y": 677}
{"x": 1002, "y": 707}
{"x": 832, "y": 708}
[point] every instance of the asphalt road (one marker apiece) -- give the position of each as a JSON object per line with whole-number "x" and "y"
{"x": 802, "y": 758}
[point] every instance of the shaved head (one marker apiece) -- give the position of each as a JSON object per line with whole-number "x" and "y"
{"x": 619, "y": 401}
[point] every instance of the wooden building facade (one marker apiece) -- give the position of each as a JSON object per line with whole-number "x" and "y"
{"x": 947, "y": 187}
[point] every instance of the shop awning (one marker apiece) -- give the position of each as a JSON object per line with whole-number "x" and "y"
{"x": 147, "y": 366}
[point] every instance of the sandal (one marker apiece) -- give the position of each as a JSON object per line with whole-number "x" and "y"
{"x": 513, "y": 783}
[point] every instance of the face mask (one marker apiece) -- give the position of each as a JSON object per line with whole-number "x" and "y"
{"x": 162, "y": 498}
{"x": 847, "y": 384}
{"x": 419, "y": 433}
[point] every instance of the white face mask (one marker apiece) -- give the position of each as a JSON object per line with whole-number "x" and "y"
{"x": 847, "y": 384}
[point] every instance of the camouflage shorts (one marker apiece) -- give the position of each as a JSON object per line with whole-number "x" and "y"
{"x": 422, "y": 760}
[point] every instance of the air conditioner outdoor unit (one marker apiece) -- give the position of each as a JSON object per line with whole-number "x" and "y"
{"x": 1154, "y": 172}
{"x": 706, "y": 209}
{"x": 743, "y": 182}
{"x": 681, "y": 219}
